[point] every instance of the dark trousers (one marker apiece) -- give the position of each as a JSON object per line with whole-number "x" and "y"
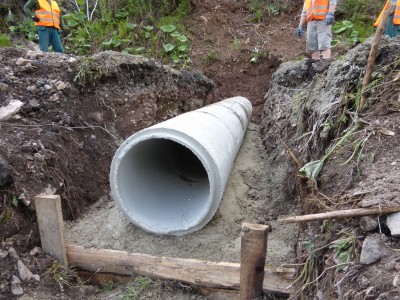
{"x": 49, "y": 36}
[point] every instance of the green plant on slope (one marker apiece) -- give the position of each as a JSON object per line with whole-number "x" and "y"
{"x": 4, "y": 40}
{"x": 177, "y": 47}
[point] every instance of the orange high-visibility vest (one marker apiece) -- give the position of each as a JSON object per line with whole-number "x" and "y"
{"x": 317, "y": 10}
{"x": 49, "y": 14}
{"x": 396, "y": 16}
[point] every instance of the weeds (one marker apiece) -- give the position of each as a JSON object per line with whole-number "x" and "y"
{"x": 4, "y": 40}
{"x": 64, "y": 276}
{"x": 88, "y": 71}
{"x": 338, "y": 251}
{"x": 136, "y": 288}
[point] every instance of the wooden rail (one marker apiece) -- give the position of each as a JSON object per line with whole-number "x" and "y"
{"x": 192, "y": 271}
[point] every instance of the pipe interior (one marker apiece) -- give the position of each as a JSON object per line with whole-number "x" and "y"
{"x": 163, "y": 185}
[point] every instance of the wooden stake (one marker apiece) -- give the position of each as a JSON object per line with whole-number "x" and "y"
{"x": 372, "y": 54}
{"x": 51, "y": 226}
{"x": 252, "y": 261}
{"x": 201, "y": 273}
{"x": 340, "y": 214}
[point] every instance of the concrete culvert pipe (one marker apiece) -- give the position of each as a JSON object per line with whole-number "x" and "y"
{"x": 170, "y": 178}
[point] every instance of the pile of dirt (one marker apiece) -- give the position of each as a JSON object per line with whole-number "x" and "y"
{"x": 311, "y": 107}
{"x": 62, "y": 119}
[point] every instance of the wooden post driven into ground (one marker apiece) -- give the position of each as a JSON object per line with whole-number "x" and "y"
{"x": 252, "y": 261}
{"x": 51, "y": 226}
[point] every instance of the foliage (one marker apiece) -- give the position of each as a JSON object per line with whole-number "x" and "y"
{"x": 26, "y": 29}
{"x": 4, "y": 40}
{"x": 357, "y": 18}
{"x": 136, "y": 288}
{"x": 150, "y": 28}
{"x": 261, "y": 9}
{"x": 88, "y": 72}
{"x": 63, "y": 276}
{"x": 345, "y": 34}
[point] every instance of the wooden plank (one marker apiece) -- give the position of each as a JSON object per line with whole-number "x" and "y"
{"x": 252, "y": 260}
{"x": 51, "y": 226}
{"x": 340, "y": 214}
{"x": 201, "y": 273}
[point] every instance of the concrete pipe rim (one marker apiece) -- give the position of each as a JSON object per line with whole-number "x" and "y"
{"x": 206, "y": 160}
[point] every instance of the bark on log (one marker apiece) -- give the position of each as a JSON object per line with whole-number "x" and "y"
{"x": 192, "y": 271}
{"x": 252, "y": 260}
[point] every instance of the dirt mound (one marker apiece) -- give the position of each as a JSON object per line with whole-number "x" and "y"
{"x": 312, "y": 107}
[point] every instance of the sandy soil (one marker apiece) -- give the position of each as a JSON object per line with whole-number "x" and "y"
{"x": 104, "y": 226}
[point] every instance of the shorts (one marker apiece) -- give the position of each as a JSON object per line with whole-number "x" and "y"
{"x": 319, "y": 36}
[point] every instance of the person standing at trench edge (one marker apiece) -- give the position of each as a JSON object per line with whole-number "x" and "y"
{"x": 392, "y": 28}
{"x": 320, "y": 17}
{"x": 48, "y": 22}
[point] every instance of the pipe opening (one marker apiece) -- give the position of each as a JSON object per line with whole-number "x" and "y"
{"x": 164, "y": 185}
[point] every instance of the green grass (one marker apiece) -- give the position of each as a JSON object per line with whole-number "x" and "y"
{"x": 4, "y": 40}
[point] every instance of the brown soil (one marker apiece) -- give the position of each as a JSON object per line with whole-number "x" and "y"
{"x": 65, "y": 144}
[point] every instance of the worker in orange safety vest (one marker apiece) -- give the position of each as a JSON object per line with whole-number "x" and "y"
{"x": 392, "y": 28}
{"x": 320, "y": 17}
{"x": 48, "y": 21}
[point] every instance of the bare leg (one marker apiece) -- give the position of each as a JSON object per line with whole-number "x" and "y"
{"x": 316, "y": 55}
{"x": 326, "y": 54}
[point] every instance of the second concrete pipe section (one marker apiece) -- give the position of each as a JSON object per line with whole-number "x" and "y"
{"x": 170, "y": 178}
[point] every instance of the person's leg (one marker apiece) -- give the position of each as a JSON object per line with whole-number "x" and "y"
{"x": 44, "y": 38}
{"x": 312, "y": 40}
{"x": 324, "y": 35}
{"x": 326, "y": 54}
{"x": 316, "y": 55}
{"x": 56, "y": 41}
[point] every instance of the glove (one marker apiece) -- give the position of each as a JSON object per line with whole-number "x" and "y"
{"x": 35, "y": 18}
{"x": 299, "y": 31}
{"x": 329, "y": 18}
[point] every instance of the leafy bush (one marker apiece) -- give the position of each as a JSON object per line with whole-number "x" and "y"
{"x": 4, "y": 40}
{"x": 152, "y": 28}
{"x": 361, "y": 13}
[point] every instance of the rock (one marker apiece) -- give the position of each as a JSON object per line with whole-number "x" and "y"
{"x": 3, "y": 254}
{"x": 6, "y": 175}
{"x": 6, "y": 112}
{"x": 396, "y": 282}
{"x": 393, "y": 223}
{"x": 34, "y": 49}
{"x": 22, "y": 61}
{"x": 24, "y": 273}
{"x": 35, "y": 251}
{"x": 16, "y": 288}
{"x": 36, "y": 277}
{"x": 34, "y": 104}
{"x": 3, "y": 288}
{"x": 61, "y": 85}
{"x": 13, "y": 253}
{"x": 368, "y": 223}
{"x": 3, "y": 87}
{"x": 372, "y": 249}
